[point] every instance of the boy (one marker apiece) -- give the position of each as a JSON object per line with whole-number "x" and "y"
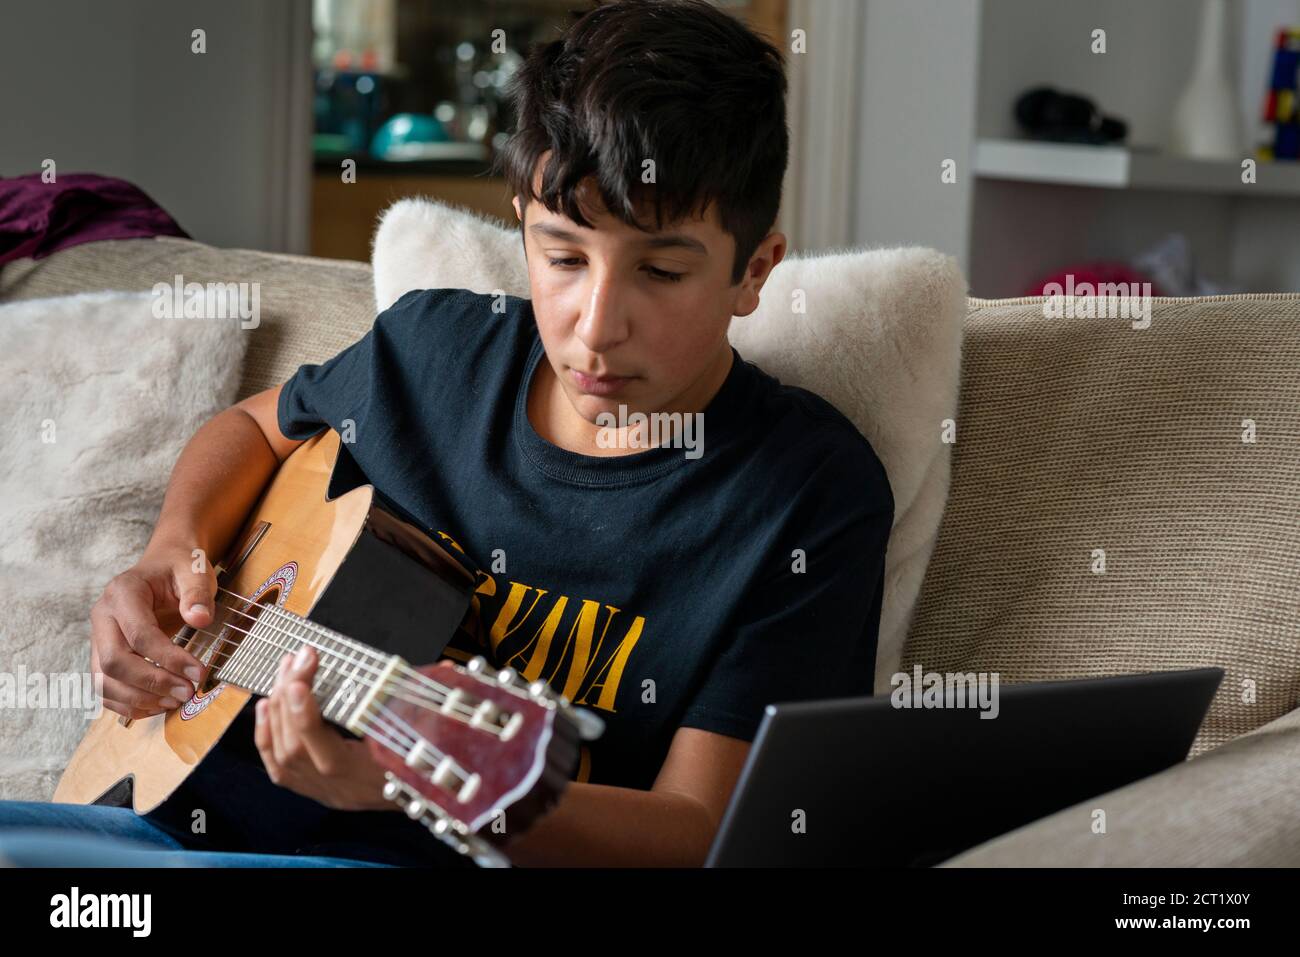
{"x": 675, "y": 590}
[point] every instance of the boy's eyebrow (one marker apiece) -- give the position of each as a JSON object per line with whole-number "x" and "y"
{"x": 672, "y": 240}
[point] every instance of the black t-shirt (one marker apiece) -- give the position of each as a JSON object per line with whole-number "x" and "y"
{"x": 659, "y": 589}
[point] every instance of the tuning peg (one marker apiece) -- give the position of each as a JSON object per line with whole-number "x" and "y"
{"x": 485, "y": 714}
{"x": 540, "y": 690}
{"x": 590, "y": 725}
{"x": 506, "y": 676}
{"x": 484, "y": 854}
{"x": 478, "y": 665}
{"x": 450, "y": 832}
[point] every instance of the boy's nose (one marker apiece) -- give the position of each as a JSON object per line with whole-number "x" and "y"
{"x": 603, "y": 324}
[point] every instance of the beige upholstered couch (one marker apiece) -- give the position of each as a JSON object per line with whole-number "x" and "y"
{"x": 1176, "y": 453}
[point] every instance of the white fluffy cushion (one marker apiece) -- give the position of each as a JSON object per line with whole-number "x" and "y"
{"x": 880, "y": 340}
{"x": 120, "y": 393}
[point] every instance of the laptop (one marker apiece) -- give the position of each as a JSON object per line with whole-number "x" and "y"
{"x": 859, "y": 782}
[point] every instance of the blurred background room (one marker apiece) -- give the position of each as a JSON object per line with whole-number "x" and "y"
{"x": 1028, "y": 138}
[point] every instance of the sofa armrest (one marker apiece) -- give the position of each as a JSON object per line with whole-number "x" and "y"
{"x": 1238, "y": 805}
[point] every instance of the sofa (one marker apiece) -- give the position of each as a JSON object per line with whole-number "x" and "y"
{"x": 1173, "y": 454}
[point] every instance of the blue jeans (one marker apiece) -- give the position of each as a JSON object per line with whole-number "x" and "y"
{"x": 36, "y": 834}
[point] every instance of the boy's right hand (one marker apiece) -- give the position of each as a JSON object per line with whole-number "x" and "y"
{"x": 134, "y": 620}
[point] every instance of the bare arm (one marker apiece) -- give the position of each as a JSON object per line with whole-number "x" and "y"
{"x": 216, "y": 480}
{"x": 671, "y": 825}
{"x": 221, "y": 472}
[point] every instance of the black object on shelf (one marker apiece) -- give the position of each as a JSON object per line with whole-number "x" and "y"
{"x": 1046, "y": 114}
{"x": 349, "y": 107}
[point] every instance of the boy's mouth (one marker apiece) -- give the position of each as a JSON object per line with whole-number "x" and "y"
{"x": 598, "y": 385}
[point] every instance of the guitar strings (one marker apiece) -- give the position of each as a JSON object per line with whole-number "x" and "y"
{"x": 391, "y": 737}
{"x": 414, "y": 737}
{"x": 405, "y": 748}
{"x": 305, "y": 622}
{"x": 425, "y": 697}
{"x": 424, "y": 681}
{"x": 395, "y": 739}
{"x": 426, "y": 688}
{"x": 285, "y": 614}
{"x": 325, "y": 663}
{"x": 293, "y": 618}
{"x": 377, "y": 721}
{"x": 398, "y": 740}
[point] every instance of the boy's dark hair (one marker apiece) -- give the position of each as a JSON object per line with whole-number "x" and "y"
{"x": 679, "y": 82}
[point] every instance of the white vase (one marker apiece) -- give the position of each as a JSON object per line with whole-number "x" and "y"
{"x": 1206, "y": 123}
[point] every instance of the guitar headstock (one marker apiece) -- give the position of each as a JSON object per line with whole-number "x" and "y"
{"x": 468, "y": 749}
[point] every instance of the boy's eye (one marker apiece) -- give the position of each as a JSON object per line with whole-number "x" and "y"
{"x": 661, "y": 274}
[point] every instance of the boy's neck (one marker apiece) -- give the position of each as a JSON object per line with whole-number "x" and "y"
{"x": 555, "y": 419}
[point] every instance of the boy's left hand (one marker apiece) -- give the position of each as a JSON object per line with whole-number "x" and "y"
{"x": 306, "y": 756}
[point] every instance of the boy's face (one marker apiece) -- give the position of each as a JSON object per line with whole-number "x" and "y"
{"x": 618, "y": 329}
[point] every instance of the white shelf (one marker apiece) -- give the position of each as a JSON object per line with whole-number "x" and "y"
{"x": 1117, "y": 167}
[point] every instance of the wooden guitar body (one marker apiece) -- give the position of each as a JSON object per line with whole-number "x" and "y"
{"x": 345, "y": 563}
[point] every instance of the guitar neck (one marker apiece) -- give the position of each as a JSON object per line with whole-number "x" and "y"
{"x": 247, "y": 650}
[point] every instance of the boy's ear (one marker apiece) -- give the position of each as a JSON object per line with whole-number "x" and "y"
{"x": 519, "y": 213}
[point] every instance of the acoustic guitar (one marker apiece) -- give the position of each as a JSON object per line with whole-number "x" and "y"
{"x": 335, "y": 569}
